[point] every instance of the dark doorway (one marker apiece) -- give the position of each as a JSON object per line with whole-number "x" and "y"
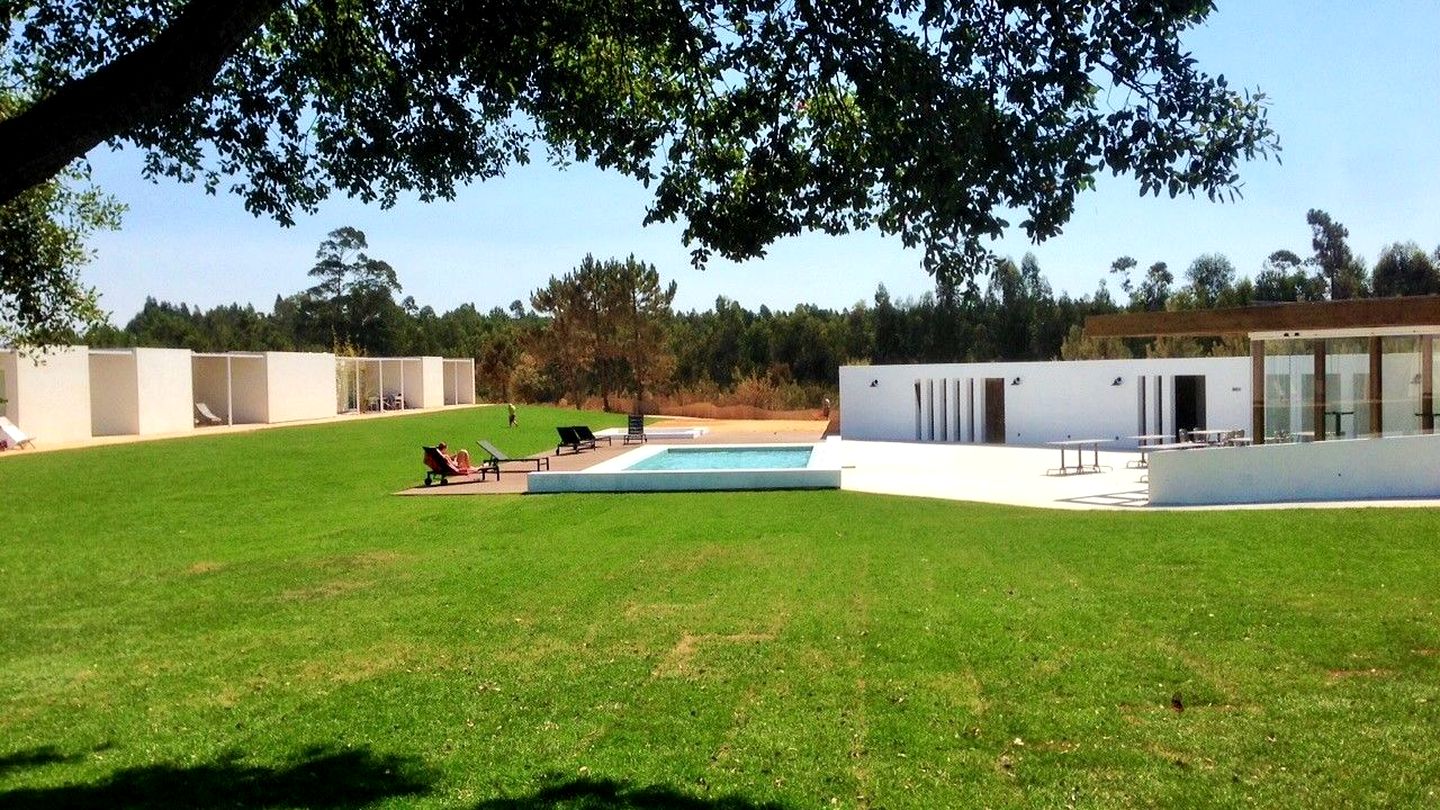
{"x": 994, "y": 410}
{"x": 1189, "y": 402}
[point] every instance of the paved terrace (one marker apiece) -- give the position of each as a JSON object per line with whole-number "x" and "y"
{"x": 1011, "y": 475}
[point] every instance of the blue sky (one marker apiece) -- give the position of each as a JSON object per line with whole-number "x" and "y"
{"x": 1355, "y": 95}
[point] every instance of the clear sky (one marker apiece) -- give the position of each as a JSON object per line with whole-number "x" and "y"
{"x": 1355, "y": 95}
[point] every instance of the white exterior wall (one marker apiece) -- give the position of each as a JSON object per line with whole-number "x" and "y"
{"x": 1354, "y": 469}
{"x": 301, "y": 385}
{"x": 1054, "y": 400}
{"x": 51, "y": 401}
{"x": 114, "y": 399}
{"x": 164, "y": 391}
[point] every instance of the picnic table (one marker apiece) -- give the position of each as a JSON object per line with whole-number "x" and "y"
{"x": 1142, "y": 440}
{"x": 1146, "y": 450}
{"x": 1080, "y": 466}
{"x": 1213, "y": 435}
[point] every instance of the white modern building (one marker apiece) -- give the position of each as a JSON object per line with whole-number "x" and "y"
{"x": 1335, "y": 401}
{"x": 1030, "y": 403}
{"x": 365, "y": 384}
{"x": 74, "y": 393}
{"x": 259, "y": 388}
{"x": 140, "y": 392}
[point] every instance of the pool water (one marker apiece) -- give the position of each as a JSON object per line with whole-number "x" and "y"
{"x": 727, "y": 458}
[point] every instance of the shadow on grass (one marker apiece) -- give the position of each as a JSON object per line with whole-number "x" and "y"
{"x": 321, "y": 778}
{"x": 609, "y": 794}
{"x": 34, "y": 758}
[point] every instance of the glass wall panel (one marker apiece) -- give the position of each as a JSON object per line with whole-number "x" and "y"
{"x": 1347, "y": 380}
{"x": 1289, "y": 383}
{"x": 1434, "y": 363}
{"x": 1400, "y": 385}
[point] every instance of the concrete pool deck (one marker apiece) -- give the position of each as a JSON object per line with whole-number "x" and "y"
{"x": 999, "y": 474}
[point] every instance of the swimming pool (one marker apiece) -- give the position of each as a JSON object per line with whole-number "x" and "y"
{"x": 727, "y": 458}
{"x": 712, "y": 467}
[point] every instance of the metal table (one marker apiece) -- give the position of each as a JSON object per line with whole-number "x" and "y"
{"x": 1080, "y": 466}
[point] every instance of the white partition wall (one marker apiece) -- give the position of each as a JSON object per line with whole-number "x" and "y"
{"x": 49, "y": 401}
{"x": 114, "y": 398}
{"x": 460, "y": 381}
{"x": 164, "y": 385}
{"x": 1040, "y": 401}
{"x": 299, "y": 385}
{"x": 249, "y": 389}
{"x": 424, "y": 382}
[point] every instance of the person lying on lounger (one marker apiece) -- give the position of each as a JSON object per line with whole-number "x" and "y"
{"x": 461, "y": 460}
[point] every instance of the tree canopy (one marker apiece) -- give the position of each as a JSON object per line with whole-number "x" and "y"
{"x": 753, "y": 119}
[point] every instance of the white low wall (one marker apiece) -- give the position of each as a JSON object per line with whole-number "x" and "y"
{"x": 1356, "y": 469}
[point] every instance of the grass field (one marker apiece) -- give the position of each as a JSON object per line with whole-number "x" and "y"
{"x": 253, "y": 620}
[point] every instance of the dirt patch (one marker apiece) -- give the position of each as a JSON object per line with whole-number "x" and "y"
{"x": 1344, "y": 674}
{"x": 636, "y": 611}
{"x": 680, "y": 660}
{"x": 960, "y": 689}
{"x": 360, "y": 666}
{"x": 325, "y": 590}
{"x": 376, "y": 558}
{"x": 204, "y": 567}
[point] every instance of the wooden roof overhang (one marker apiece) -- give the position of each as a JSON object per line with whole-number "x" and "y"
{"x": 1406, "y": 315}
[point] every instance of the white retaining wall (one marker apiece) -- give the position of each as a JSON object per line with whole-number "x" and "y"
{"x": 1053, "y": 400}
{"x": 1354, "y": 469}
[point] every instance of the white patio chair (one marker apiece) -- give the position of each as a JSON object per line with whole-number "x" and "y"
{"x": 14, "y": 435}
{"x": 206, "y": 415}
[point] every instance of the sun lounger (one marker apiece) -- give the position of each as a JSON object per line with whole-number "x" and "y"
{"x": 635, "y": 429}
{"x": 206, "y": 415}
{"x": 570, "y": 437}
{"x": 497, "y": 457}
{"x": 14, "y": 435}
{"x": 439, "y": 468}
{"x": 587, "y": 436}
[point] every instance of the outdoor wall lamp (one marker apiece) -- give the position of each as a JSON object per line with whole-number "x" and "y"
{"x": 1118, "y": 381}
{"x": 1015, "y": 381}
{"x": 874, "y": 383}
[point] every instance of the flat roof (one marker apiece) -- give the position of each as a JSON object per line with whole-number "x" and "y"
{"x": 1374, "y": 314}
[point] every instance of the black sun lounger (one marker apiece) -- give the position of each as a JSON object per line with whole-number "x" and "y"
{"x": 635, "y": 429}
{"x": 498, "y": 457}
{"x": 570, "y": 437}
{"x": 586, "y": 436}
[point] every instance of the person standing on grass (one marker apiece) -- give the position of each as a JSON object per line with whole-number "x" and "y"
{"x": 512, "y": 415}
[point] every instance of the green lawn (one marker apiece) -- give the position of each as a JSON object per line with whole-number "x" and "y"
{"x": 253, "y": 620}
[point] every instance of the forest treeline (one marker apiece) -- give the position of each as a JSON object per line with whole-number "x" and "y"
{"x": 605, "y": 333}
